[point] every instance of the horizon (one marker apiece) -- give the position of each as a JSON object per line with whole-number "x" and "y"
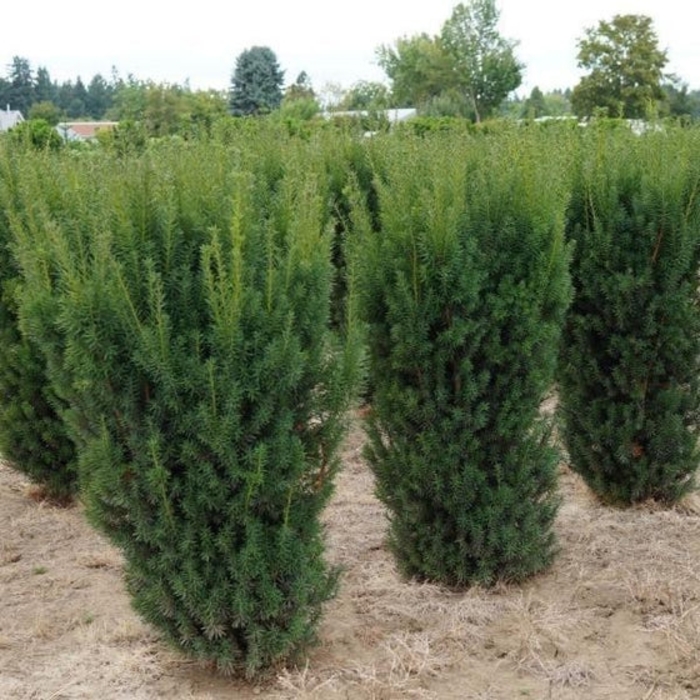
{"x": 308, "y": 37}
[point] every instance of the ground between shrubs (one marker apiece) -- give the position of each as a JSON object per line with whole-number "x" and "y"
{"x": 617, "y": 616}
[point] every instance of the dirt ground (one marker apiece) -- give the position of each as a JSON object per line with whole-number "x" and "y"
{"x": 617, "y": 616}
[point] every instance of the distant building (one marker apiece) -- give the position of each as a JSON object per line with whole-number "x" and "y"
{"x": 9, "y": 118}
{"x": 83, "y": 131}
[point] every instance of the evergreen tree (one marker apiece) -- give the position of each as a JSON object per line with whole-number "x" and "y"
{"x": 534, "y": 106}
{"x": 185, "y": 320}
{"x": 256, "y": 86}
{"x": 464, "y": 289}
{"x": 4, "y": 93}
{"x": 33, "y": 437}
{"x": 98, "y": 97}
{"x": 77, "y": 107}
{"x": 64, "y": 95}
{"x": 629, "y": 360}
{"x": 20, "y": 94}
{"x": 44, "y": 88}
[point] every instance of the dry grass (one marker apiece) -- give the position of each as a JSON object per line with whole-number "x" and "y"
{"x": 617, "y": 616}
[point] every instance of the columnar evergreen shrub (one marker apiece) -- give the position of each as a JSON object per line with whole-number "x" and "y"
{"x": 629, "y": 359}
{"x": 33, "y": 437}
{"x": 344, "y": 159}
{"x": 184, "y": 303}
{"x": 464, "y": 291}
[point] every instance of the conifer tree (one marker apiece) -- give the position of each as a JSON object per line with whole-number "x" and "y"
{"x": 256, "y": 85}
{"x": 629, "y": 359}
{"x": 33, "y": 437}
{"x": 464, "y": 290}
{"x": 186, "y": 310}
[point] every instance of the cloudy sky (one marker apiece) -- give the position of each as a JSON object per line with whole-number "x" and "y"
{"x": 333, "y": 42}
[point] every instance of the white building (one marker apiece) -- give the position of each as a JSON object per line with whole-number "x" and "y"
{"x": 9, "y": 118}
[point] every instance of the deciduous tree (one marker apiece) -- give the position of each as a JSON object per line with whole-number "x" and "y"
{"x": 367, "y": 95}
{"x": 484, "y": 62}
{"x": 418, "y": 68}
{"x": 46, "y": 111}
{"x": 468, "y": 64}
{"x": 625, "y": 68}
{"x": 680, "y": 102}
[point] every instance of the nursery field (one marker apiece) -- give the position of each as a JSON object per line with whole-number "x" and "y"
{"x": 616, "y": 616}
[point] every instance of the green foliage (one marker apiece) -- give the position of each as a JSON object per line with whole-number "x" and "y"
{"x": 126, "y": 138}
{"x": 300, "y": 89}
{"x": 46, "y": 111}
{"x": 129, "y": 102}
{"x": 450, "y": 104}
{"x": 33, "y": 437}
{"x": 538, "y": 105}
{"x": 680, "y": 102}
{"x": 484, "y": 62}
{"x": 162, "y": 109}
{"x": 98, "y": 97}
{"x": 467, "y": 70}
{"x": 625, "y": 68}
{"x": 428, "y": 124}
{"x": 345, "y": 161}
{"x": 182, "y": 301}
{"x": 300, "y": 109}
{"x": 535, "y": 105}
{"x": 36, "y": 134}
{"x": 256, "y": 86}
{"x": 464, "y": 290}
{"x": 366, "y": 95}
{"x": 417, "y": 67}
{"x": 44, "y": 87}
{"x": 629, "y": 360}
{"x": 18, "y": 90}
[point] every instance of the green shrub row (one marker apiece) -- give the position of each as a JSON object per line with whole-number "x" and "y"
{"x": 185, "y": 323}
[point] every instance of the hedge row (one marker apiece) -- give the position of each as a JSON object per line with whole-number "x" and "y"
{"x": 185, "y": 329}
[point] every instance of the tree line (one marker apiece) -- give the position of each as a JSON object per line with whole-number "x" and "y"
{"x": 467, "y": 70}
{"x": 163, "y": 107}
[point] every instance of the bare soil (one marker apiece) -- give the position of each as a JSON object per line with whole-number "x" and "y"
{"x": 617, "y": 616}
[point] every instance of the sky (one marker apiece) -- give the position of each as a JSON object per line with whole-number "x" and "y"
{"x": 335, "y": 43}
